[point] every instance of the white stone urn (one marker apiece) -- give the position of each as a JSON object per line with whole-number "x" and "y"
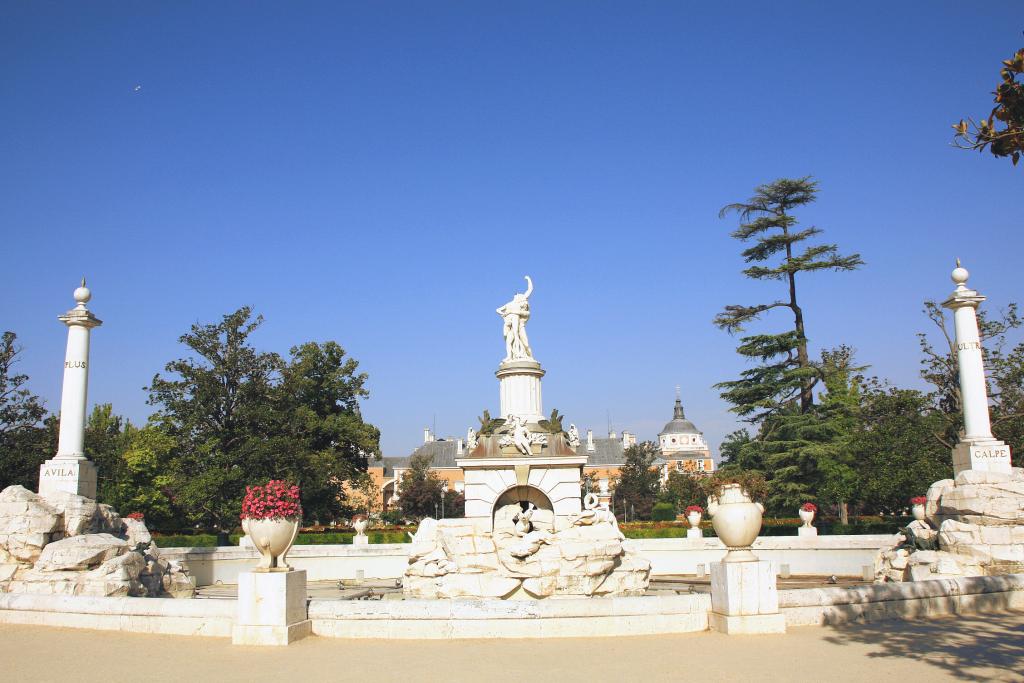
{"x": 737, "y": 521}
{"x": 360, "y": 523}
{"x": 694, "y": 517}
{"x": 273, "y": 539}
{"x": 806, "y": 516}
{"x": 918, "y": 511}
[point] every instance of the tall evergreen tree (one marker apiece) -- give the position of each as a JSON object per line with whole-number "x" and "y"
{"x": 786, "y": 373}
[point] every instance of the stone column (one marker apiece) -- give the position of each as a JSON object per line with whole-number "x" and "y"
{"x": 519, "y": 389}
{"x": 977, "y": 450}
{"x": 70, "y": 470}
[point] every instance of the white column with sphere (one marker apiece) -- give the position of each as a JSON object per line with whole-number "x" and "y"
{"x": 977, "y": 450}
{"x": 71, "y": 471}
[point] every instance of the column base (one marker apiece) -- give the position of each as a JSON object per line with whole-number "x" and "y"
{"x": 982, "y": 455}
{"x": 748, "y": 624}
{"x": 243, "y": 634}
{"x": 68, "y": 475}
{"x": 271, "y": 608}
{"x": 360, "y": 540}
{"x": 744, "y": 588}
{"x": 694, "y": 534}
{"x": 807, "y": 532}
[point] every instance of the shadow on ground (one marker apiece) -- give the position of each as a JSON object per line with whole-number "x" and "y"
{"x": 977, "y": 647}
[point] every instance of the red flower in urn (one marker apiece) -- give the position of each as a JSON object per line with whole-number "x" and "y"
{"x": 809, "y": 507}
{"x": 918, "y": 500}
{"x": 136, "y": 515}
{"x": 276, "y": 499}
{"x": 695, "y": 508}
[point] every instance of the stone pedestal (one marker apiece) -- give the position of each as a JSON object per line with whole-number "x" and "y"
{"x": 271, "y": 608}
{"x": 692, "y": 533}
{"x": 68, "y": 475}
{"x": 360, "y": 540}
{"x": 551, "y": 483}
{"x": 519, "y": 388}
{"x": 744, "y": 598}
{"x": 983, "y": 455}
{"x": 807, "y": 532}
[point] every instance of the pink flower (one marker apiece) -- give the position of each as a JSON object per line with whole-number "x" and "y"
{"x": 274, "y": 499}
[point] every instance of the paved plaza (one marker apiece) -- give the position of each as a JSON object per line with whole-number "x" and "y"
{"x": 968, "y": 648}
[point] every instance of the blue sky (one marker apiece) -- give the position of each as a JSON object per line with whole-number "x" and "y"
{"x": 384, "y": 174}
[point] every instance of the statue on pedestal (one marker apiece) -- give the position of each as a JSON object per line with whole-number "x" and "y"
{"x": 515, "y": 314}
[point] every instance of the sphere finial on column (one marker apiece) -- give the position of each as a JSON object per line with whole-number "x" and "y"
{"x": 82, "y": 294}
{"x": 960, "y": 275}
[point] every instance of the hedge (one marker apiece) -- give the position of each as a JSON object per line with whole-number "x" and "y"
{"x": 325, "y": 538}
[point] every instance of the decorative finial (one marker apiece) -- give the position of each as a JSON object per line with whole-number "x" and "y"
{"x": 677, "y": 393}
{"x": 957, "y": 261}
{"x": 82, "y": 294}
{"x": 960, "y": 275}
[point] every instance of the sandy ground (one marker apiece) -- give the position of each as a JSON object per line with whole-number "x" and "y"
{"x": 972, "y": 648}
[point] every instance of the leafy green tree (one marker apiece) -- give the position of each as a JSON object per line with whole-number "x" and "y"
{"x": 894, "y": 447}
{"x": 143, "y": 483}
{"x": 682, "y": 490}
{"x": 324, "y": 440}
{"x": 421, "y": 490}
{"x": 24, "y": 443}
{"x": 786, "y": 373}
{"x": 106, "y": 438}
{"x": 638, "y": 483}
{"x": 239, "y": 416}
{"x": 1003, "y": 131}
{"x": 217, "y": 406}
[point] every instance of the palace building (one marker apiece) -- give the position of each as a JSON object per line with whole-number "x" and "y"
{"x": 682, "y": 446}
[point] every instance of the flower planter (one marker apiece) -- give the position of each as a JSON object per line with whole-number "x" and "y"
{"x": 737, "y": 521}
{"x": 918, "y": 511}
{"x": 806, "y": 516}
{"x": 694, "y": 519}
{"x": 273, "y": 539}
{"x": 360, "y": 524}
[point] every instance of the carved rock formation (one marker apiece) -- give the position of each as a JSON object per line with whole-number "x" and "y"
{"x": 979, "y": 517}
{"x": 63, "y": 544}
{"x": 523, "y": 557}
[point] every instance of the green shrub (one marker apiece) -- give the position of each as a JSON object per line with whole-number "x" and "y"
{"x": 663, "y": 512}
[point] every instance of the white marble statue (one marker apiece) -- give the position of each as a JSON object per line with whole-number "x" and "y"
{"x": 521, "y": 437}
{"x": 470, "y": 439}
{"x": 574, "y": 436}
{"x": 515, "y": 314}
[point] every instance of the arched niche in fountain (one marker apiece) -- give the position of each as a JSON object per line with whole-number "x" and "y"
{"x": 524, "y": 496}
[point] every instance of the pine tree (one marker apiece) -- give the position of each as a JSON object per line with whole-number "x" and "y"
{"x": 786, "y": 373}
